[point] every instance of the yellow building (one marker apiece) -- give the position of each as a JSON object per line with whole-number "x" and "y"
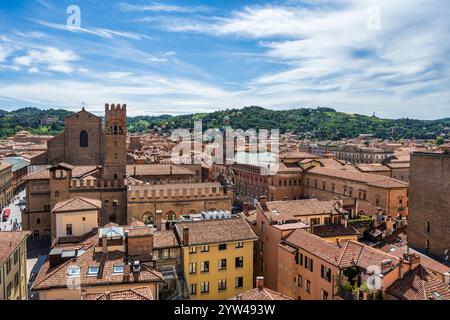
{"x": 217, "y": 257}
{"x": 13, "y": 265}
{"x": 76, "y": 216}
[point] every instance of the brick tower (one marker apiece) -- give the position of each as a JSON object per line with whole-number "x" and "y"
{"x": 114, "y": 142}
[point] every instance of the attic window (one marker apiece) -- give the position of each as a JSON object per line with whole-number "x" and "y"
{"x": 118, "y": 268}
{"x": 73, "y": 271}
{"x": 93, "y": 271}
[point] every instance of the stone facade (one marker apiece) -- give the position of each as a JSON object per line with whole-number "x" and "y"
{"x": 79, "y": 144}
{"x": 173, "y": 200}
{"x": 429, "y": 221}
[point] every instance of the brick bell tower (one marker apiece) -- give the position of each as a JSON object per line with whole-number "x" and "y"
{"x": 114, "y": 142}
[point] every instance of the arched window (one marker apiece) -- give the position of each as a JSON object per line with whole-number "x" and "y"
{"x": 116, "y": 130}
{"x": 170, "y": 216}
{"x": 84, "y": 139}
{"x": 148, "y": 218}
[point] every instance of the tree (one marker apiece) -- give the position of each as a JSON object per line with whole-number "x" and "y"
{"x": 440, "y": 140}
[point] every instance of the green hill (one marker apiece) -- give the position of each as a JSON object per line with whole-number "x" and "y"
{"x": 318, "y": 123}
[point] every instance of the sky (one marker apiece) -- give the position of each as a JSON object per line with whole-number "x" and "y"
{"x": 385, "y": 57}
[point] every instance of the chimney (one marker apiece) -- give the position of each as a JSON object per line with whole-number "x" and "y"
{"x": 263, "y": 202}
{"x": 245, "y": 208}
{"x": 158, "y": 219}
{"x": 107, "y": 295}
{"x": 171, "y": 171}
{"x": 186, "y": 236}
{"x": 260, "y": 283}
{"x": 134, "y": 171}
{"x": 104, "y": 244}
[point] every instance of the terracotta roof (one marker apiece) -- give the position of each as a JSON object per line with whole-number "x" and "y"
{"x": 165, "y": 239}
{"x": 142, "y": 293}
{"x": 9, "y": 241}
{"x": 77, "y": 204}
{"x": 374, "y": 167}
{"x": 157, "y": 170}
{"x": 419, "y": 284}
{"x": 261, "y": 294}
{"x": 344, "y": 255}
{"x": 38, "y": 175}
{"x": 139, "y": 231}
{"x": 4, "y": 165}
{"x": 323, "y": 249}
{"x": 298, "y": 155}
{"x": 292, "y": 209}
{"x": 57, "y": 277}
{"x": 334, "y": 230}
{"x": 216, "y": 231}
{"x": 425, "y": 261}
{"x": 370, "y": 179}
{"x": 356, "y": 253}
{"x": 77, "y": 172}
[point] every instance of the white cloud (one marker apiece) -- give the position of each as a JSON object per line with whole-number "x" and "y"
{"x": 47, "y": 58}
{"x": 100, "y": 32}
{"x": 161, "y": 7}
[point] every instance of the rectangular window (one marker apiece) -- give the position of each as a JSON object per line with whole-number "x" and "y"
{"x": 118, "y": 268}
{"x": 222, "y": 284}
{"x": 204, "y": 249}
{"x": 299, "y": 258}
{"x": 8, "y": 266}
{"x": 93, "y": 271}
{"x": 9, "y": 290}
{"x": 193, "y": 288}
{"x": 115, "y": 203}
{"x": 68, "y": 229}
{"x": 223, "y": 246}
{"x": 309, "y": 264}
{"x": 204, "y": 266}
{"x": 308, "y": 286}
{"x": 204, "y": 287}
{"x": 299, "y": 281}
{"x": 324, "y": 295}
{"x": 239, "y": 244}
{"x": 222, "y": 264}
{"x": 192, "y": 249}
{"x": 239, "y": 262}
{"x": 16, "y": 279}
{"x": 239, "y": 282}
{"x": 325, "y": 273}
{"x": 165, "y": 254}
{"x": 16, "y": 257}
{"x": 192, "y": 268}
{"x": 314, "y": 221}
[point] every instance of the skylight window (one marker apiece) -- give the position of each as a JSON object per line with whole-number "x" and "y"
{"x": 73, "y": 271}
{"x": 118, "y": 268}
{"x": 93, "y": 271}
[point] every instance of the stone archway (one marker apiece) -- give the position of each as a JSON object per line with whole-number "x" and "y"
{"x": 192, "y": 211}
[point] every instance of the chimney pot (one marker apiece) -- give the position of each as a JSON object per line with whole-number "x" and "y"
{"x": 260, "y": 283}
{"x": 186, "y": 236}
{"x": 263, "y": 201}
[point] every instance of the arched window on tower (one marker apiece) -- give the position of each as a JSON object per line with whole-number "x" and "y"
{"x": 84, "y": 139}
{"x": 116, "y": 130}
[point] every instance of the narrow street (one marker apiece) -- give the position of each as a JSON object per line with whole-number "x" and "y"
{"x": 15, "y": 213}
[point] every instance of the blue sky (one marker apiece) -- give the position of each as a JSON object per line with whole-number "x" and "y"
{"x": 382, "y": 56}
